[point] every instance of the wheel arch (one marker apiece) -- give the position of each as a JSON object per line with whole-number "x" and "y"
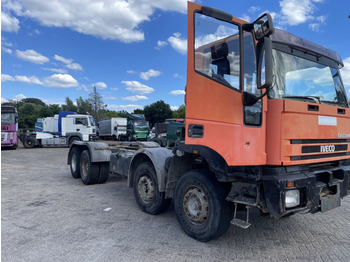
{"x": 155, "y": 156}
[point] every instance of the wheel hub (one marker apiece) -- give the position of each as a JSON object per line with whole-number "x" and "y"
{"x": 74, "y": 162}
{"x": 196, "y": 205}
{"x": 146, "y": 189}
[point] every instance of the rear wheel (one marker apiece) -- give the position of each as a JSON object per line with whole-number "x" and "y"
{"x": 200, "y": 205}
{"x": 89, "y": 171}
{"x": 146, "y": 192}
{"x": 103, "y": 173}
{"x": 29, "y": 142}
{"x": 74, "y": 157}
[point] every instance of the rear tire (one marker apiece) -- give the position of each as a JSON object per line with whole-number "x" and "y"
{"x": 88, "y": 171}
{"x": 103, "y": 172}
{"x": 146, "y": 192}
{"x": 200, "y": 205}
{"x": 74, "y": 157}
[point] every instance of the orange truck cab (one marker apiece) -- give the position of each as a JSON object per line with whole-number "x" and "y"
{"x": 266, "y": 114}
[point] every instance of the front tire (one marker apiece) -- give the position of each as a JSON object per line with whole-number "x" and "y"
{"x": 89, "y": 171}
{"x": 146, "y": 192}
{"x": 200, "y": 205}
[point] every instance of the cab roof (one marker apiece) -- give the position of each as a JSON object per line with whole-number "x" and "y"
{"x": 284, "y": 37}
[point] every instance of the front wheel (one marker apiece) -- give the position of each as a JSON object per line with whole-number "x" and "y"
{"x": 89, "y": 171}
{"x": 200, "y": 205}
{"x": 146, "y": 192}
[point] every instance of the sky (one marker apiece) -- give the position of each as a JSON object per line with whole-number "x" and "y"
{"x": 133, "y": 51}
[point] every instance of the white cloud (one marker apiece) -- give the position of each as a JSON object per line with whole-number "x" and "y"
{"x": 174, "y": 108}
{"x": 5, "y": 78}
{"x": 32, "y": 56}
{"x": 177, "y": 92}
{"x": 19, "y": 97}
{"x": 129, "y": 108}
{"x": 8, "y": 23}
{"x": 131, "y": 72}
{"x": 296, "y": 12}
{"x": 316, "y": 27}
{"x": 4, "y": 100}
{"x": 246, "y": 18}
{"x": 60, "y": 81}
{"x": 19, "y": 78}
{"x": 111, "y": 97}
{"x": 161, "y": 44}
{"x": 117, "y": 19}
{"x": 135, "y": 98}
{"x": 114, "y": 88}
{"x": 178, "y": 43}
{"x": 150, "y": 73}
{"x": 137, "y": 87}
{"x": 63, "y": 59}
{"x": 345, "y": 73}
{"x": 6, "y": 50}
{"x": 100, "y": 85}
{"x": 83, "y": 87}
{"x": 253, "y": 9}
{"x": 176, "y": 75}
{"x": 75, "y": 66}
{"x": 69, "y": 63}
{"x": 55, "y": 70}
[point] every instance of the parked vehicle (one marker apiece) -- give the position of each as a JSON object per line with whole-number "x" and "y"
{"x": 168, "y": 134}
{"x": 9, "y": 127}
{"x": 62, "y": 129}
{"x": 267, "y": 127}
{"x": 113, "y": 128}
{"x": 137, "y": 127}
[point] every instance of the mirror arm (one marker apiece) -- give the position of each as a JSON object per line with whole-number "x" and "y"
{"x": 250, "y": 99}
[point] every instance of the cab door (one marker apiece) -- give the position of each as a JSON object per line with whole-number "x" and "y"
{"x": 222, "y": 65}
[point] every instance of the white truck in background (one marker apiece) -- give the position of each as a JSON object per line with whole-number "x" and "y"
{"x": 113, "y": 128}
{"x": 62, "y": 129}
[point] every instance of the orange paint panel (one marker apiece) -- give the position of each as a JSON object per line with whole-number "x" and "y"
{"x": 237, "y": 144}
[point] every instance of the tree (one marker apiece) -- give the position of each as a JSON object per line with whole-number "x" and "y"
{"x": 139, "y": 111}
{"x": 35, "y": 101}
{"x": 123, "y": 113}
{"x": 69, "y": 106}
{"x": 111, "y": 114}
{"x": 157, "y": 112}
{"x": 180, "y": 112}
{"x": 83, "y": 106}
{"x": 95, "y": 99}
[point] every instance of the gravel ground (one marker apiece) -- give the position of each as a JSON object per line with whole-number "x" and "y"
{"x": 49, "y": 216}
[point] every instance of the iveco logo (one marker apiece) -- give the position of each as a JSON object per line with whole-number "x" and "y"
{"x": 330, "y": 148}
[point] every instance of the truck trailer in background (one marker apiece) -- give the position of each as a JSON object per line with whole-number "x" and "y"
{"x": 62, "y": 129}
{"x": 113, "y": 128}
{"x": 9, "y": 127}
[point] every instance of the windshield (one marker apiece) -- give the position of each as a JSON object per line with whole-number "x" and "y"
{"x": 8, "y": 118}
{"x": 302, "y": 79}
{"x": 141, "y": 124}
{"x": 92, "y": 121}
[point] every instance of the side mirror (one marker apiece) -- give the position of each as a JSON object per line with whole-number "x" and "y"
{"x": 263, "y": 26}
{"x": 265, "y": 68}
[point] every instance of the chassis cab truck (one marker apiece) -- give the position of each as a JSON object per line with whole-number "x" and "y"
{"x": 267, "y": 126}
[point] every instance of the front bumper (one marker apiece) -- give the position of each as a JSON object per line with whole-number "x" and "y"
{"x": 320, "y": 189}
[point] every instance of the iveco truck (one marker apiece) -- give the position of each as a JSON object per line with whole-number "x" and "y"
{"x": 267, "y": 127}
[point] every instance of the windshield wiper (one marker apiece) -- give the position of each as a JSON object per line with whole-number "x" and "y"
{"x": 313, "y": 98}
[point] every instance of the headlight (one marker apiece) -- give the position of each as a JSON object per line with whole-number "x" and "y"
{"x": 292, "y": 198}
{"x": 11, "y": 135}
